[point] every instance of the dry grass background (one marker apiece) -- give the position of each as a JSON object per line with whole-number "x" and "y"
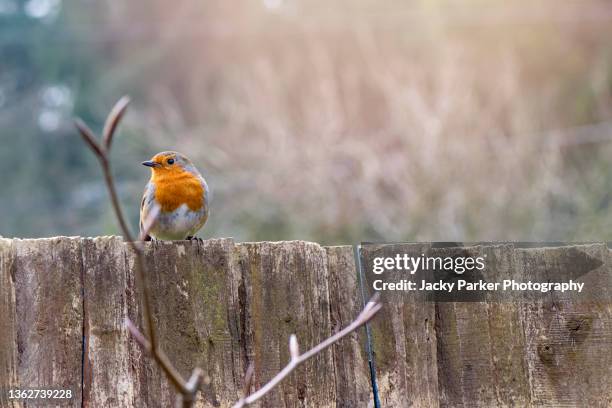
{"x": 357, "y": 121}
{"x": 360, "y": 120}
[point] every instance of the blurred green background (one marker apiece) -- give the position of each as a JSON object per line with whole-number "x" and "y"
{"x": 330, "y": 121}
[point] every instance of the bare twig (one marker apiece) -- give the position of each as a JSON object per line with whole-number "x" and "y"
{"x": 159, "y": 356}
{"x": 294, "y": 347}
{"x": 89, "y": 137}
{"x": 248, "y": 380}
{"x": 102, "y": 155}
{"x": 113, "y": 121}
{"x": 140, "y": 339}
{"x": 187, "y": 400}
{"x": 365, "y": 316}
{"x": 187, "y": 390}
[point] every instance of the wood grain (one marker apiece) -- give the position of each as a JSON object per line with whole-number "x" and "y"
{"x": 8, "y": 324}
{"x": 351, "y": 373}
{"x": 48, "y": 314}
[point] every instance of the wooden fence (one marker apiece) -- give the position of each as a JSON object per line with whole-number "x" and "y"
{"x": 221, "y": 305}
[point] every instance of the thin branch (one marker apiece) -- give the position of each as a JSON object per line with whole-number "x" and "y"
{"x": 248, "y": 380}
{"x": 113, "y": 119}
{"x": 186, "y": 400}
{"x": 160, "y": 357}
{"x": 137, "y": 335}
{"x": 108, "y": 178}
{"x": 89, "y": 138}
{"x": 294, "y": 347}
{"x": 365, "y": 316}
{"x": 187, "y": 390}
{"x": 102, "y": 154}
{"x": 197, "y": 376}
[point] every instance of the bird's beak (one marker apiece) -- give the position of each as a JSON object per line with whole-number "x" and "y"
{"x": 150, "y": 164}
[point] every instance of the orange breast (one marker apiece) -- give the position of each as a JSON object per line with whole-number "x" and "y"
{"x": 177, "y": 187}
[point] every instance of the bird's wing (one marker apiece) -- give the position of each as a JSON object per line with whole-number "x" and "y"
{"x": 145, "y": 207}
{"x": 207, "y": 193}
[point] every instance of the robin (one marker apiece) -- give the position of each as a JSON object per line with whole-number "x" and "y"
{"x": 181, "y": 193}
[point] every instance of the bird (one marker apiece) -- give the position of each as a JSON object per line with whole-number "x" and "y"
{"x": 180, "y": 192}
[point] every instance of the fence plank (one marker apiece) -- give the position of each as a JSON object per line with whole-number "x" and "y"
{"x": 112, "y": 375}
{"x": 287, "y": 293}
{"x": 481, "y": 345}
{"x": 47, "y": 275}
{"x": 404, "y": 340}
{"x": 8, "y": 324}
{"x": 568, "y": 343}
{"x": 196, "y": 313}
{"x": 352, "y": 377}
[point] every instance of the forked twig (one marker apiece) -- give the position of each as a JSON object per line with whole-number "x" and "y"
{"x": 112, "y": 121}
{"x": 369, "y": 311}
{"x": 188, "y": 389}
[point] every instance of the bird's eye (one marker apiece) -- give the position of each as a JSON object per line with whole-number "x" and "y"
{"x": 170, "y": 161}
